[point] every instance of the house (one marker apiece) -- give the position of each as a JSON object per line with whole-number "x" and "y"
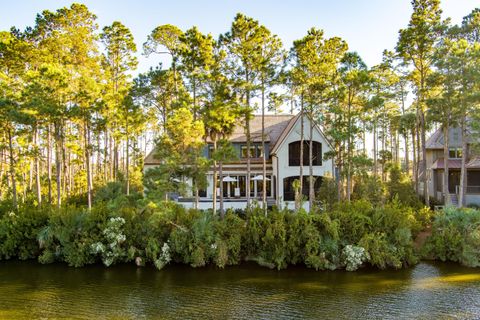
{"x": 436, "y": 164}
{"x": 282, "y": 150}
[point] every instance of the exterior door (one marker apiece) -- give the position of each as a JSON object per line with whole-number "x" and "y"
{"x": 453, "y": 180}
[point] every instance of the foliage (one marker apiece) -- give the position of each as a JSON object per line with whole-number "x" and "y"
{"x": 328, "y": 193}
{"x": 400, "y": 187}
{"x": 369, "y": 188}
{"x": 354, "y": 257}
{"x": 348, "y": 235}
{"x": 455, "y": 237}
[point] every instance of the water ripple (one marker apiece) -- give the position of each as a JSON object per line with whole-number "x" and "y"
{"x": 32, "y": 291}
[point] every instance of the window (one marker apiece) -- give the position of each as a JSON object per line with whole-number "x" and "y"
{"x": 259, "y": 151}
{"x": 294, "y": 153}
{"x": 244, "y": 151}
{"x": 473, "y": 181}
{"x": 210, "y": 151}
{"x": 455, "y": 153}
{"x": 289, "y": 191}
{"x": 256, "y": 151}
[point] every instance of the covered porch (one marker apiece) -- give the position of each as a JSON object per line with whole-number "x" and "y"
{"x": 234, "y": 185}
{"x": 454, "y": 172}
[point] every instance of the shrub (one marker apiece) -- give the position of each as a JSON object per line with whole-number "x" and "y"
{"x": 18, "y": 233}
{"x": 353, "y": 257}
{"x": 455, "y": 236}
{"x": 347, "y": 235}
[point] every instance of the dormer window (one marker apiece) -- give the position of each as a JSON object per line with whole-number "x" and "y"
{"x": 244, "y": 151}
{"x": 256, "y": 151}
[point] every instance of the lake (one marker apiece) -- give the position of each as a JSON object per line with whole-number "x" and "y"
{"x": 29, "y": 290}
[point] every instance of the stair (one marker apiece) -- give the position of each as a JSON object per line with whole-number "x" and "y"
{"x": 454, "y": 199}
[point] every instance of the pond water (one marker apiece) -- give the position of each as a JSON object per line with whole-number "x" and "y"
{"x": 29, "y": 290}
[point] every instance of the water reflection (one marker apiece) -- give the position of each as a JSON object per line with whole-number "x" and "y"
{"x": 29, "y": 290}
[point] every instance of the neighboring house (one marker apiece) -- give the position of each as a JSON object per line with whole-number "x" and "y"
{"x": 436, "y": 165}
{"x": 282, "y": 149}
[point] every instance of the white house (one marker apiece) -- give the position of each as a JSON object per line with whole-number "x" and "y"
{"x": 282, "y": 150}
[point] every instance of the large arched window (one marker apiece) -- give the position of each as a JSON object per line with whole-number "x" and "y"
{"x": 294, "y": 153}
{"x": 289, "y": 191}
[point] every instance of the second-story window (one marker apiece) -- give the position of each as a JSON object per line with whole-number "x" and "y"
{"x": 455, "y": 153}
{"x": 294, "y": 154}
{"x": 259, "y": 151}
{"x": 244, "y": 151}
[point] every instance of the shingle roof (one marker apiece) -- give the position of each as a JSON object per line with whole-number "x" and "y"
{"x": 435, "y": 141}
{"x": 275, "y": 125}
{"x": 474, "y": 163}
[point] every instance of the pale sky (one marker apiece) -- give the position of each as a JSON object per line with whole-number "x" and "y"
{"x": 368, "y": 26}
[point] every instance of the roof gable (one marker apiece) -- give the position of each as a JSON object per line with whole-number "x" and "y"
{"x": 436, "y": 140}
{"x": 290, "y": 127}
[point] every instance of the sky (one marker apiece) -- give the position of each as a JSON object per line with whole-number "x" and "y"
{"x": 368, "y": 26}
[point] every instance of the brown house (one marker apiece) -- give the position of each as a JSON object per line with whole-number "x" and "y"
{"x": 436, "y": 167}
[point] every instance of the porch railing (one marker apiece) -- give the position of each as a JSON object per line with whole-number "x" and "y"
{"x": 473, "y": 189}
{"x": 470, "y": 189}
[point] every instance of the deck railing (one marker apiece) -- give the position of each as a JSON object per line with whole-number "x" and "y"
{"x": 470, "y": 190}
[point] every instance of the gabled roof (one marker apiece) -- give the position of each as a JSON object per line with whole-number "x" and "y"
{"x": 150, "y": 159}
{"x": 275, "y": 126}
{"x": 290, "y": 127}
{"x": 435, "y": 141}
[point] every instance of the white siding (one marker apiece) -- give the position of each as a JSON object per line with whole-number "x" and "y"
{"x": 284, "y": 170}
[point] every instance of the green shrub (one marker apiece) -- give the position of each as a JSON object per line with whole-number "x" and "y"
{"x": 18, "y": 233}
{"x": 455, "y": 236}
{"x": 158, "y": 233}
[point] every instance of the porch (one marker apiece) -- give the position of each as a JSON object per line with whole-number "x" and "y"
{"x": 228, "y": 203}
{"x": 234, "y": 186}
{"x": 472, "y": 192}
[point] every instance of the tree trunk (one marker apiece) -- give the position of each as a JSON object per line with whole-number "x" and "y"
{"x": 407, "y": 160}
{"x": 127, "y": 157}
{"x": 105, "y": 157}
{"x": 12, "y": 169}
{"x": 302, "y": 138}
{"x": 64, "y": 160}
{"x": 264, "y": 159}
{"x": 247, "y": 127}
{"x": 446, "y": 192}
{"x": 349, "y": 147}
{"x": 214, "y": 179}
{"x": 415, "y": 163}
{"x": 311, "y": 182}
{"x": 2, "y": 161}
{"x": 116, "y": 161}
{"x": 220, "y": 169}
{"x": 87, "y": 164}
{"x": 424, "y": 159}
{"x": 49, "y": 163}
{"x": 375, "y": 152}
{"x": 38, "y": 186}
{"x": 195, "y": 184}
{"x": 463, "y": 171}
{"x": 58, "y": 163}
{"x": 384, "y": 133}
